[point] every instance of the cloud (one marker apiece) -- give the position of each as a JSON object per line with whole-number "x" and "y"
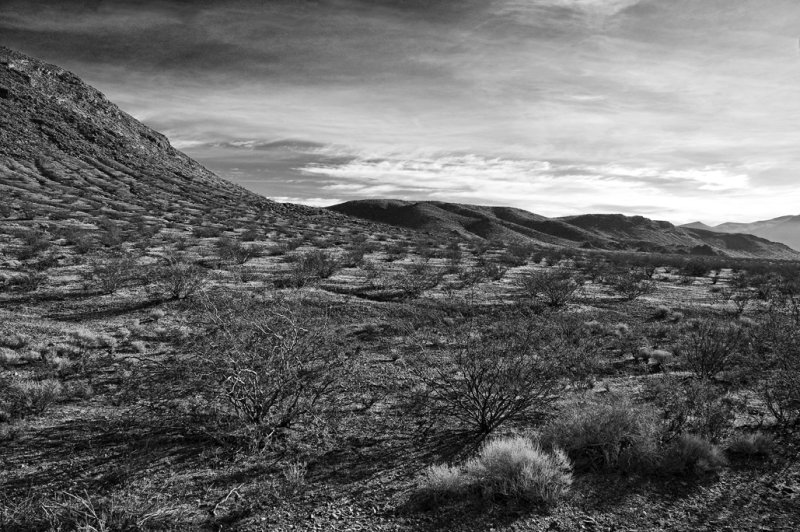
{"x": 691, "y": 102}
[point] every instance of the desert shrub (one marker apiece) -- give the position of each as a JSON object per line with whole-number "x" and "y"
{"x": 774, "y": 363}
{"x": 111, "y": 234}
{"x": 112, "y": 273}
{"x": 516, "y": 254}
{"x": 511, "y": 371}
{"x": 690, "y": 455}
{"x": 632, "y": 284}
{"x": 612, "y": 435}
{"x": 25, "y": 282}
{"x": 517, "y": 468}
{"x": 492, "y": 270}
{"x": 34, "y": 243}
{"x": 695, "y": 406}
{"x": 661, "y": 312}
{"x": 207, "y": 231}
{"x": 696, "y": 267}
{"x": 22, "y": 397}
{"x": 753, "y": 444}
{"x": 505, "y": 469}
{"x": 416, "y": 277}
{"x": 266, "y": 364}
{"x": 250, "y": 235}
{"x": 235, "y": 251}
{"x": 396, "y": 251}
{"x": 14, "y": 340}
{"x": 710, "y": 346}
{"x": 442, "y": 482}
{"x": 556, "y": 287}
{"x": 318, "y": 264}
{"x": 176, "y": 278}
{"x": 87, "y": 339}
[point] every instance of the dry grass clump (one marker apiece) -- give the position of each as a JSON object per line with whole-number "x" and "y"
{"x": 692, "y": 455}
{"x": 754, "y": 444}
{"x": 505, "y": 469}
{"x": 8, "y": 357}
{"x": 21, "y": 397}
{"x": 90, "y": 339}
{"x": 14, "y": 340}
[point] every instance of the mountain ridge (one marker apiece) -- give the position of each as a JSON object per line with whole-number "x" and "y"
{"x": 784, "y": 229}
{"x": 601, "y": 231}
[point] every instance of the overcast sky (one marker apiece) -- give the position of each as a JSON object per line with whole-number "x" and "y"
{"x": 680, "y": 110}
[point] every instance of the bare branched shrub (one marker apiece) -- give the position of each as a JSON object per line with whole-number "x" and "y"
{"x": 710, "y": 346}
{"x": 774, "y": 361}
{"x": 266, "y": 364}
{"x": 695, "y": 406}
{"x": 112, "y": 273}
{"x": 632, "y": 284}
{"x": 236, "y": 251}
{"x": 508, "y": 372}
{"x": 309, "y": 267}
{"x": 556, "y": 287}
{"x": 177, "y": 278}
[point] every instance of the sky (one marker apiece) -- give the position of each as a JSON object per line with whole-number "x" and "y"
{"x": 678, "y": 110}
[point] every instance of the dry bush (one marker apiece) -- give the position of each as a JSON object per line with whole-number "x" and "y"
{"x": 555, "y": 287}
{"x": 25, "y": 282}
{"x": 692, "y": 455}
{"x": 309, "y": 267}
{"x": 709, "y": 346}
{"x": 267, "y": 364}
{"x": 632, "y": 284}
{"x": 695, "y": 406}
{"x": 755, "y": 444}
{"x": 505, "y": 469}
{"x": 512, "y": 370}
{"x": 610, "y": 435}
{"x": 112, "y": 273}
{"x": 235, "y": 251}
{"x": 176, "y": 278}
{"x": 21, "y": 397}
{"x": 774, "y": 362}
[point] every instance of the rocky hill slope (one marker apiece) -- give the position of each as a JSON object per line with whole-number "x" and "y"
{"x": 601, "y": 231}
{"x": 70, "y": 156}
{"x": 784, "y": 229}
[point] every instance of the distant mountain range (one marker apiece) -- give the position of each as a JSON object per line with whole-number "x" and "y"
{"x": 784, "y": 229}
{"x": 599, "y": 231}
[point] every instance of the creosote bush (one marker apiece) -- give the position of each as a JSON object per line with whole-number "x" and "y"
{"x": 610, "y": 435}
{"x": 505, "y": 469}
{"x": 177, "y": 278}
{"x": 509, "y": 371}
{"x": 710, "y": 346}
{"x": 266, "y": 364}
{"x": 555, "y": 287}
